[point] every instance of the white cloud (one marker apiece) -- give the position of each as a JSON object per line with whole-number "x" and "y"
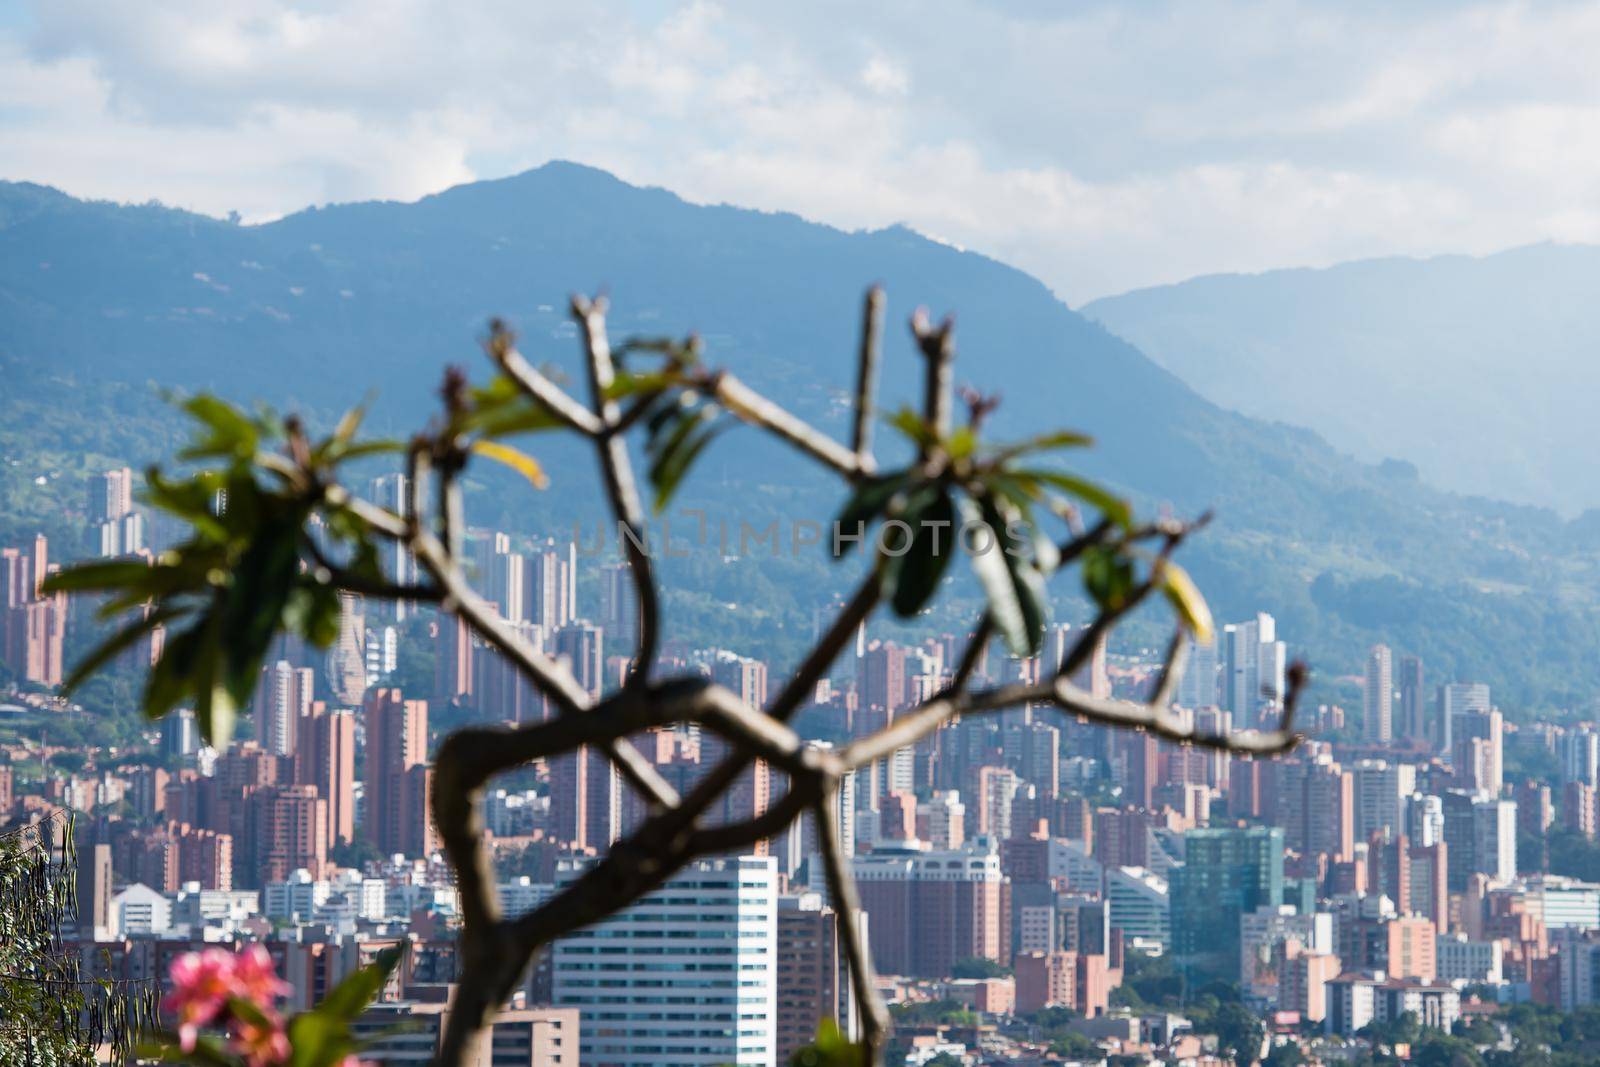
{"x": 1098, "y": 146}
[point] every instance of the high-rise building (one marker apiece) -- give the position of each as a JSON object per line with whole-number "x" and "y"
{"x": 746, "y": 678}
{"x": 813, "y": 982}
{"x": 1198, "y": 686}
{"x": 881, "y": 677}
{"x": 1413, "y": 699}
{"x": 283, "y": 698}
{"x": 180, "y": 736}
{"x": 1480, "y": 833}
{"x": 928, "y": 909}
{"x": 452, "y": 665}
{"x": 326, "y": 759}
{"x": 1381, "y": 789}
{"x": 1477, "y": 753}
{"x": 1457, "y": 698}
{"x": 503, "y": 579}
{"x": 115, "y": 529}
{"x": 686, "y": 976}
{"x": 347, "y": 659}
{"x": 552, "y": 579}
{"x": 110, "y": 494}
{"x": 286, "y": 830}
{"x": 1579, "y": 752}
{"x": 1253, "y": 670}
{"x": 1377, "y": 697}
{"x": 582, "y": 645}
{"x": 393, "y": 491}
{"x": 618, "y": 604}
{"x": 1316, "y": 806}
{"x": 33, "y": 625}
{"x": 585, "y": 798}
{"x": 397, "y": 776}
{"x": 1226, "y": 874}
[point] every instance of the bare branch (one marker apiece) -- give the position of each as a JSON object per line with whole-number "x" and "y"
{"x": 867, "y": 375}
{"x": 750, "y": 406}
{"x": 621, "y": 489}
{"x": 349, "y": 581}
{"x": 875, "y": 1021}
{"x": 938, "y": 347}
{"x": 803, "y": 683}
{"x": 547, "y": 394}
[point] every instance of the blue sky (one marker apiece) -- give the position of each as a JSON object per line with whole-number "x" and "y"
{"x": 1099, "y": 146}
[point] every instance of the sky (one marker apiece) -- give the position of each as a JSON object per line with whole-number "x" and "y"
{"x": 1099, "y": 146}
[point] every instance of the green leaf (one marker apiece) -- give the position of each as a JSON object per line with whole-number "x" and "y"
{"x": 1025, "y": 579}
{"x": 963, "y": 442}
{"x": 1108, "y": 577}
{"x": 912, "y": 579}
{"x": 110, "y": 574}
{"x": 994, "y": 575}
{"x": 232, "y": 433}
{"x": 253, "y": 607}
{"x": 628, "y": 384}
{"x": 516, "y": 459}
{"x": 117, "y": 644}
{"x": 831, "y": 1049}
{"x": 1047, "y": 442}
{"x": 190, "y": 499}
{"x": 209, "y": 1049}
{"x": 377, "y": 446}
{"x": 1187, "y": 601}
{"x": 910, "y": 424}
{"x": 170, "y": 680}
{"x": 318, "y": 1040}
{"x": 350, "y": 998}
{"x": 1103, "y": 500}
{"x": 670, "y": 472}
{"x": 679, "y": 433}
{"x": 870, "y": 500}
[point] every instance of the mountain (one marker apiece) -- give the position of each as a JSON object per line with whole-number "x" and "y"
{"x": 1480, "y": 371}
{"x": 317, "y": 309}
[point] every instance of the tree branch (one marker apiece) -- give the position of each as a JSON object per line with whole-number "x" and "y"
{"x": 750, "y": 406}
{"x": 621, "y": 489}
{"x": 939, "y": 349}
{"x": 867, "y": 376}
{"x": 875, "y": 1021}
{"x": 547, "y": 394}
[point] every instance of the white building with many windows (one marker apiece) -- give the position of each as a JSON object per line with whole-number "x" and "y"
{"x": 687, "y": 976}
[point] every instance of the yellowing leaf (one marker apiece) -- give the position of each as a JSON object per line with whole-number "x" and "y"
{"x": 1187, "y": 601}
{"x": 516, "y": 459}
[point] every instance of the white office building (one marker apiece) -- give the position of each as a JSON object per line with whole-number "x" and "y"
{"x": 687, "y": 976}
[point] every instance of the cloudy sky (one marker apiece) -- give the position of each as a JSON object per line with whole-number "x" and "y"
{"x": 1101, "y": 147}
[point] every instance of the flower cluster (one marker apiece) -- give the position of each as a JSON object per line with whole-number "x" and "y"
{"x": 236, "y": 992}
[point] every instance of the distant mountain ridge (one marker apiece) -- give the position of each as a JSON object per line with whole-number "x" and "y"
{"x": 1482, "y": 371}
{"x": 316, "y": 309}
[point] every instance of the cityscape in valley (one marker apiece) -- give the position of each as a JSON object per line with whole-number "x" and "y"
{"x": 677, "y": 533}
{"x": 1034, "y": 888}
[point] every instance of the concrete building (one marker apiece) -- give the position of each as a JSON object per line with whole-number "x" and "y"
{"x": 1140, "y": 905}
{"x": 686, "y": 976}
{"x": 928, "y": 909}
{"x": 813, "y": 982}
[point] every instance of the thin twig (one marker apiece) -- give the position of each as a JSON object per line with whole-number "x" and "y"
{"x": 621, "y": 489}
{"x": 875, "y": 1021}
{"x": 867, "y": 374}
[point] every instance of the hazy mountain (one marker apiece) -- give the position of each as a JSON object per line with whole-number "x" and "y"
{"x": 320, "y": 307}
{"x": 1482, "y": 372}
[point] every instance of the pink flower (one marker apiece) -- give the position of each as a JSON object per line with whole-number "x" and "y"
{"x": 255, "y": 978}
{"x": 261, "y": 1045}
{"x": 202, "y": 982}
